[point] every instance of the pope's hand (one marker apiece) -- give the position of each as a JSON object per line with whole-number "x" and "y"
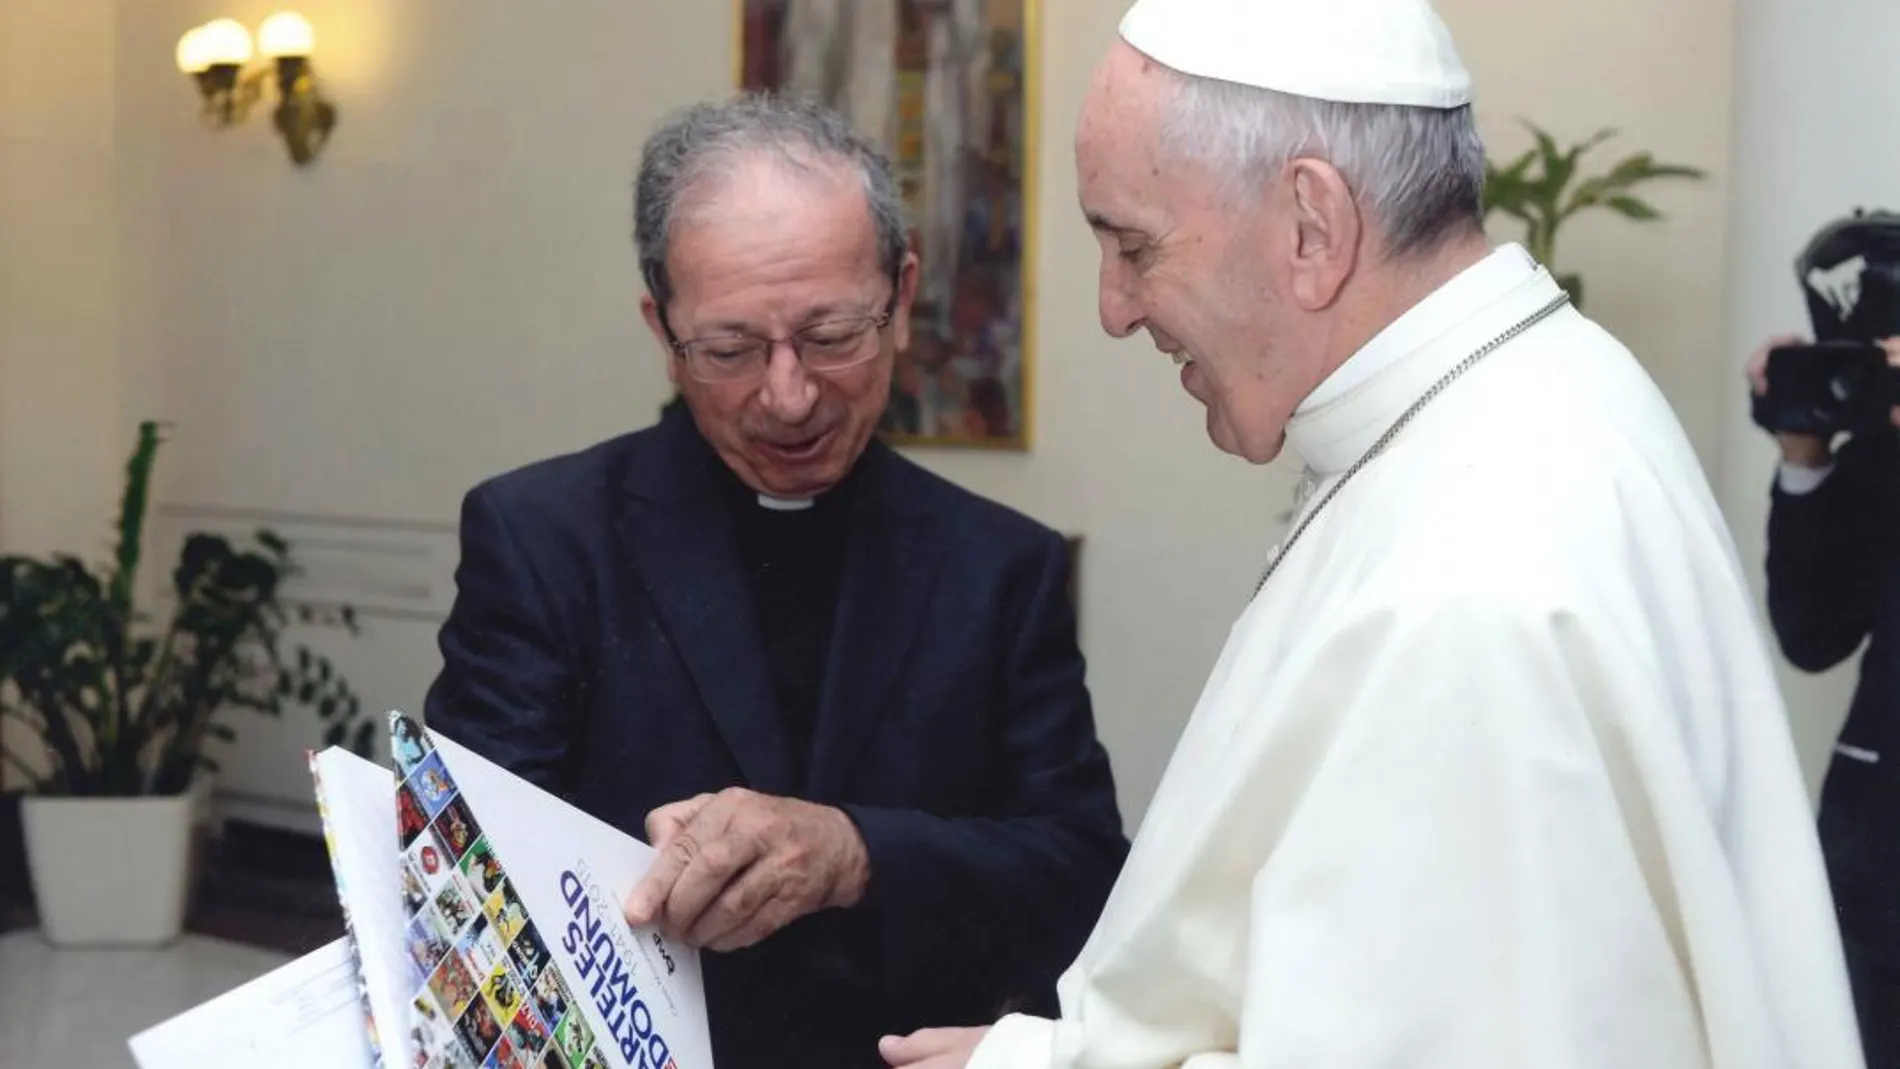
{"x": 736, "y": 866}
{"x": 932, "y": 1048}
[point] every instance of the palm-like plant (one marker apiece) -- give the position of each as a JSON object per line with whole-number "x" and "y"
{"x": 1543, "y": 189}
{"x": 124, "y": 708}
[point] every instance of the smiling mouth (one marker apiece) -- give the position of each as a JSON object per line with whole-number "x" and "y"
{"x": 802, "y": 449}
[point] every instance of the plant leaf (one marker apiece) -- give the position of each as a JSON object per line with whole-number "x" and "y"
{"x": 1633, "y": 208}
{"x": 364, "y": 744}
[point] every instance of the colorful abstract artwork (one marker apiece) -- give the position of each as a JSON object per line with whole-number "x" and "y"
{"x": 946, "y": 89}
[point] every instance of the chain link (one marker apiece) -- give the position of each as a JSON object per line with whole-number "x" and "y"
{"x": 1279, "y": 553}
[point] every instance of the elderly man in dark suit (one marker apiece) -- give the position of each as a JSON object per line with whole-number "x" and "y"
{"x": 841, "y": 696}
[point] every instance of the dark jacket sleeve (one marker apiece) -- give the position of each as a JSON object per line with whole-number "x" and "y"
{"x": 1823, "y": 548}
{"x": 1006, "y": 902}
{"x": 505, "y": 690}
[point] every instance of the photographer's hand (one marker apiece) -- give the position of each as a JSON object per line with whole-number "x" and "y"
{"x": 1892, "y": 345}
{"x": 1798, "y": 450}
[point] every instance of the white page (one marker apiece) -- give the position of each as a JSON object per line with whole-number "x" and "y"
{"x": 305, "y": 1015}
{"x": 358, "y": 800}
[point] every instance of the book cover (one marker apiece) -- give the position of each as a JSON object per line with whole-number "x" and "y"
{"x": 517, "y": 951}
{"x": 484, "y": 929}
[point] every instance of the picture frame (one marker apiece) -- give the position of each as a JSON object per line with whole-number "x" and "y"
{"x": 949, "y": 91}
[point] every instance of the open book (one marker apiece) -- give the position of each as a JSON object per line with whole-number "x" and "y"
{"x": 485, "y": 930}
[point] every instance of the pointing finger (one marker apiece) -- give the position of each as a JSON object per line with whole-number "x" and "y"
{"x": 647, "y": 900}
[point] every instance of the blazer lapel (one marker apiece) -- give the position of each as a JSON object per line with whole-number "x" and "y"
{"x": 889, "y": 570}
{"x": 683, "y": 549}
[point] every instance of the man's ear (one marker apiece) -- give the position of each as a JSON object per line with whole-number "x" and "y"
{"x": 650, "y": 311}
{"x": 906, "y": 295}
{"x": 1327, "y": 227}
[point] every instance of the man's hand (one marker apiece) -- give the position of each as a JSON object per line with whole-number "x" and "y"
{"x": 1800, "y": 450}
{"x": 736, "y": 866}
{"x": 1805, "y": 450}
{"x": 932, "y": 1048}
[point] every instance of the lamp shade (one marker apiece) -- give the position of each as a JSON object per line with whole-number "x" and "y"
{"x": 193, "y": 56}
{"x": 225, "y": 41}
{"x": 286, "y": 34}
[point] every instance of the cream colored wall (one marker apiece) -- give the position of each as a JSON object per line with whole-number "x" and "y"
{"x": 1661, "y": 72}
{"x": 59, "y": 380}
{"x": 451, "y": 291}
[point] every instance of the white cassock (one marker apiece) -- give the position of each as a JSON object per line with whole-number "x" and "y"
{"x": 1494, "y": 773}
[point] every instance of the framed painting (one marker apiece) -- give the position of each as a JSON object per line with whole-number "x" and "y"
{"x": 947, "y": 89}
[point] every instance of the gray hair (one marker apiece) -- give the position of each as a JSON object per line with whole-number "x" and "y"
{"x": 1419, "y": 172}
{"x": 706, "y": 141}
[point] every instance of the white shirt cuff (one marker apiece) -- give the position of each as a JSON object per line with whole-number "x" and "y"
{"x": 1797, "y": 480}
{"x": 1016, "y": 1042}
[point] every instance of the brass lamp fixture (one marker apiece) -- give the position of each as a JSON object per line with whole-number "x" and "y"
{"x": 215, "y": 56}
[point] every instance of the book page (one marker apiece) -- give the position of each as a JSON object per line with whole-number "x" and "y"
{"x": 304, "y": 1015}
{"x": 358, "y": 800}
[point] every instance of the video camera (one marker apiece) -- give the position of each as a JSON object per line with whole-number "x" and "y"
{"x": 1850, "y": 274}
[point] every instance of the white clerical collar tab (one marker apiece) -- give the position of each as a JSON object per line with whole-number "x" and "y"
{"x": 785, "y": 504}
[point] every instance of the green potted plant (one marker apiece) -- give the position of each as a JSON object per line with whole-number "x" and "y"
{"x": 122, "y": 704}
{"x": 1543, "y": 188}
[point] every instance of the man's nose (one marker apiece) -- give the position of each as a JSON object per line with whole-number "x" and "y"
{"x": 1121, "y": 316}
{"x": 789, "y": 391}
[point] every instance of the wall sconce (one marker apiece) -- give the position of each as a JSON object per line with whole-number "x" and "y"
{"x": 215, "y": 55}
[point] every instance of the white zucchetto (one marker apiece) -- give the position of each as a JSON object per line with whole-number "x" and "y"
{"x": 1350, "y": 51}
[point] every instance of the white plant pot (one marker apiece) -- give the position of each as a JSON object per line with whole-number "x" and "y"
{"x": 111, "y": 871}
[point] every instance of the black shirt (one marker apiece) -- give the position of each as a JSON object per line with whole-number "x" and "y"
{"x": 793, "y": 560}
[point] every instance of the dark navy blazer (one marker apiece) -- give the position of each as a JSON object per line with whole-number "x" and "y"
{"x": 1834, "y": 591}
{"x": 602, "y": 645}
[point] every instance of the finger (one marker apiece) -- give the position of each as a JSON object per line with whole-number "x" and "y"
{"x": 1892, "y": 345}
{"x": 904, "y": 1050}
{"x": 735, "y": 907}
{"x": 1758, "y": 360}
{"x": 645, "y": 904}
{"x": 765, "y": 922}
{"x": 665, "y": 825}
{"x": 722, "y": 859}
{"x": 665, "y": 822}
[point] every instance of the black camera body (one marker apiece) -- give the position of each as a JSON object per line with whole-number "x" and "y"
{"x": 1850, "y": 275}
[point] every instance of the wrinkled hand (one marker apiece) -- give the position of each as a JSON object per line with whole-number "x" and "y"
{"x": 736, "y": 866}
{"x": 932, "y": 1048}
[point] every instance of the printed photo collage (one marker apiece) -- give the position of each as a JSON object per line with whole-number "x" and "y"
{"x": 487, "y": 993}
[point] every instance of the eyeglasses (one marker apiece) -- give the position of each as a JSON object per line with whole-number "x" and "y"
{"x": 831, "y": 346}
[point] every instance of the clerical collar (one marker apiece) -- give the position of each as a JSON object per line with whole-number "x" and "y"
{"x": 754, "y": 505}
{"x": 1343, "y": 417}
{"x": 1426, "y": 320}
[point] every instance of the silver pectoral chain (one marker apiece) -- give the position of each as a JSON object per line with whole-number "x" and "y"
{"x": 1279, "y": 552}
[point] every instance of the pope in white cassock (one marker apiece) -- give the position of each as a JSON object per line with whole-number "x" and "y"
{"x": 1493, "y": 772}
